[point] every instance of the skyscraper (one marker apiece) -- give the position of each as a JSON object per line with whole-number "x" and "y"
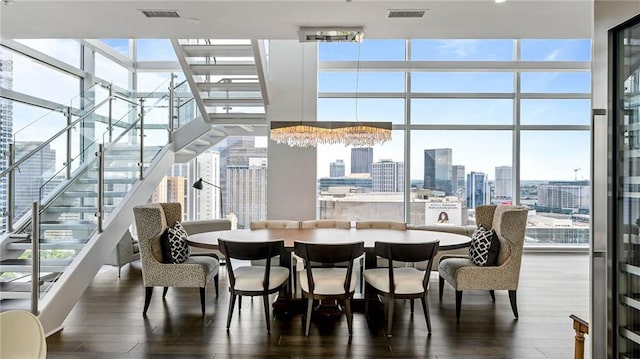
{"x": 246, "y": 191}
{"x": 503, "y": 182}
{"x": 458, "y": 187}
{"x": 387, "y": 176}
{"x": 6, "y": 130}
{"x": 437, "y": 170}
{"x": 336, "y": 169}
{"x": 208, "y": 203}
{"x": 361, "y": 159}
{"x": 478, "y": 191}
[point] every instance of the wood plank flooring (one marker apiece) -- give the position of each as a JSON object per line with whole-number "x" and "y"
{"x": 108, "y": 323}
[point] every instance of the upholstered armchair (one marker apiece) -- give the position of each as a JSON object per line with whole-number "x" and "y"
{"x": 510, "y": 223}
{"x": 151, "y": 222}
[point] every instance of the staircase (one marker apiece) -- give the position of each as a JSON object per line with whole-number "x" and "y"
{"x": 231, "y": 94}
{"x": 85, "y": 208}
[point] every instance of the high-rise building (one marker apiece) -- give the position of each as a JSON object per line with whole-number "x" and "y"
{"x": 437, "y": 170}
{"x": 33, "y": 174}
{"x": 478, "y": 191}
{"x": 568, "y": 195}
{"x": 336, "y": 169}
{"x": 504, "y": 183}
{"x": 387, "y": 176}
{"x": 246, "y": 190}
{"x": 458, "y": 187}
{"x": 208, "y": 200}
{"x": 361, "y": 159}
{"x": 6, "y": 130}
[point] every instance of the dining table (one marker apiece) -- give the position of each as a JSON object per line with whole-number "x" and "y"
{"x": 447, "y": 241}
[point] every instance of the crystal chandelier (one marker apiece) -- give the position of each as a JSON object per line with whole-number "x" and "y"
{"x": 350, "y": 133}
{"x": 312, "y": 133}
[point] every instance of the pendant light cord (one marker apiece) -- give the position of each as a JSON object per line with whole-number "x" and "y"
{"x": 357, "y": 78}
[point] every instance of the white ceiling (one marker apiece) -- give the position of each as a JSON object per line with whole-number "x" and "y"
{"x": 280, "y": 19}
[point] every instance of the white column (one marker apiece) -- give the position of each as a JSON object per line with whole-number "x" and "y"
{"x": 291, "y": 176}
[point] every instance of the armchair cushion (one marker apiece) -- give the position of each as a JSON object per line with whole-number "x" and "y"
{"x": 484, "y": 247}
{"x": 174, "y": 244}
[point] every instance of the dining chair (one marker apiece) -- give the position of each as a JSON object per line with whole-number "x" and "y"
{"x": 325, "y": 223}
{"x": 509, "y": 223}
{"x": 152, "y": 221}
{"x": 274, "y": 224}
{"x": 326, "y": 282}
{"x": 381, "y": 225}
{"x": 21, "y": 336}
{"x": 400, "y": 282}
{"x": 253, "y": 280}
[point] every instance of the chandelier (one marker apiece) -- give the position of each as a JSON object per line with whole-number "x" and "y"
{"x": 349, "y": 133}
{"x": 312, "y": 133}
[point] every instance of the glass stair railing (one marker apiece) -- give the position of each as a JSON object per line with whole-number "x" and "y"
{"x": 73, "y": 201}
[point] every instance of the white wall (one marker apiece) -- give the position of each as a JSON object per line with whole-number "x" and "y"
{"x": 607, "y": 14}
{"x": 291, "y": 176}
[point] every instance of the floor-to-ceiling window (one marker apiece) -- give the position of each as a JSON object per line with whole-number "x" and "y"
{"x": 483, "y": 121}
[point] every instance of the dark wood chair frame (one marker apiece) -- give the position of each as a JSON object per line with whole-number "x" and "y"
{"x": 327, "y": 255}
{"x": 252, "y": 251}
{"x": 405, "y": 252}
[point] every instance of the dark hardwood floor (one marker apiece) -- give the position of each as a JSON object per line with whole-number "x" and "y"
{"x": 108, "y": 322}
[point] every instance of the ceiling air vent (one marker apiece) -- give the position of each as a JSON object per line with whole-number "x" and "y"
{"x": 404, "y": 14}
{"x": 160, "y": 13}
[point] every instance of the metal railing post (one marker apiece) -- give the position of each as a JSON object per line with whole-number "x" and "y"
{"x": 100, "y": 212}
{"x": 11, "y": 188}
{"x": 68, "y": 162}
{"x": 35, "y": 257}
{"x": 141, "y": 163}
{"x": 110, "y": 112}
{"x": 171, "y": 106}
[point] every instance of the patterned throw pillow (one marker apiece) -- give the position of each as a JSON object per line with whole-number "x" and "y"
{"x": 174, "y": 244}
{"x": 484, "y": 247}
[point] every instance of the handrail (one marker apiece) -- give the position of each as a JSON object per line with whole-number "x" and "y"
{"x": 581, "y": 327}
{"x": 58, "y": 134}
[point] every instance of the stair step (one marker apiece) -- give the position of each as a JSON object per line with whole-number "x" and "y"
{"x": 218, "y": 50}
{"x": 49, "y": 244}
{"x": 24, "y": 265}
{"x": 242, "y": 102}
{"x": 224, "y": 70}
{"x": 21, "y": 289}
{"x": 77, "y": 194}
{"x": 229, "y": 86}
{"x": 45, "y": 225}
{"x": 109, "y": 180}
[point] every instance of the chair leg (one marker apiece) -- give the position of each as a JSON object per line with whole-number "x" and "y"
{"x": 215, "y": 283}
{"x": 514, "y": 305}
{"x": 307, "y": 326}
{"x": 347, "y": 312}
{"x": 265, "y": 299}
{"x": 367, "y": 298}
{"x": 148, "y": 292}
{"x": 239, "y": 303}
{"x": 412, "y": 305}
{"x": 492, "y": 293}
{"x": 232, "y": 303}
{"x": 458, "y": 303}
{"x": 164, "y": 292}
{"x": 202, "y": 301}
{"x": 441, "y": 287}
{"x": 390, "y": 304}
{"x": 425, "y": 309}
